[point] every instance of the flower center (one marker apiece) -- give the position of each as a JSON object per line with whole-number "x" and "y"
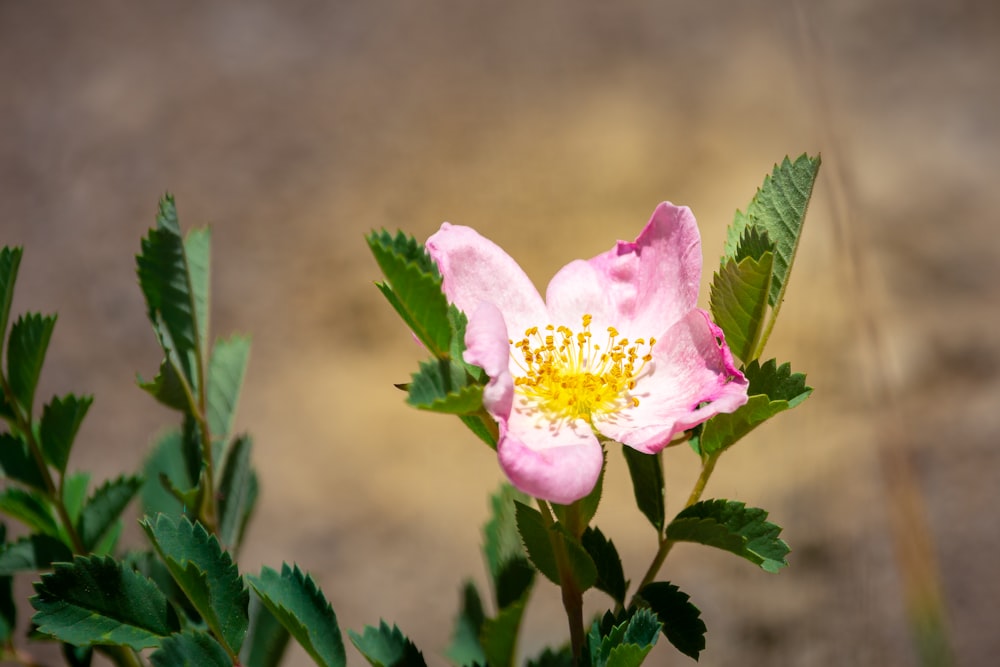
{"x": 568, "y": 376}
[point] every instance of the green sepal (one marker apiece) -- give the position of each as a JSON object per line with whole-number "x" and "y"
{"x": 682, "y": 624}
{"x": 205, "y": 573}
{"x": 610, "y": 574}
{"x": 538, "y": 538}
{"x": 238, "y": 492}
{"x": 626, "y": 644}
{"x": 772, "y": 389}
{"x": 190, "y": 649}
{"x": 130, "y": 610}
{"x": 733, "y": 527}
{"x": 10, "y": 260}
{"x": 32, "y": 553}
{"x": 444, "y": 385}
{"x": 299, "y": 605}
{"x": 104, "y": 507}
{"x": 739, "y": 299}
{"x": 29, "y": 340}
{"x": 17, "y": 463}
{"x": 226, "y": 370}
{"x": 29, "y": 507}
{"x": 387, "y": 647}
{"x": 646, "y": 471}
{"x": 465, "y": 648}
{"x": 266, "y": 639}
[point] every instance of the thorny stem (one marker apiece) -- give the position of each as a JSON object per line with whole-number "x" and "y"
{"x": 572, "y": 596}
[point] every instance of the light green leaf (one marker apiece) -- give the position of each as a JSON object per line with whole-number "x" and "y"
{"x": 465, "y": 648}
{"x": 610, "y": 575}
{"x": 646, "y": 471}
{"x": 734, "y": 527}
{"x": 29, "y": 340}
{"x": 32, "y": 553}
{"x": 739, "y": 302}
{"x": 168, "y": 387}
{"x": 498, "y": 636}
{"x": 17, "y": 463}
{"x": 30, "y": 508}
{"x": 538, "y": 539}
{"x": 299, "y": 605}
{"x": 10, "y": 260}
{"x": 226, "y": 370}
{"x": 190, "y": 649}
{"x": 61, "y": 420}
{"x": 627, "y": 644}
{"x": 682, "y": 624}
{"x": 74, "y": 493}
{"x": 442, "y": 385}
{"x": 387, "y": 647}
{"x": 238, "y": 492}
{"x": 501, "y": 541}
{"x": 198, "y": 251}
{"x": 166, "y": 458}
{"x": 104, "y": 508}
{"x": 130, "y": 611}
{"x": 205, "y": 573}
{"x": 266, "y": 639}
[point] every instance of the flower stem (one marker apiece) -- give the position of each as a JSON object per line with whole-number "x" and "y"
{"x": 572, "y": 596}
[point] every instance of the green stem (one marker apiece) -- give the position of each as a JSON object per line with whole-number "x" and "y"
{"x": 572, "y": 596}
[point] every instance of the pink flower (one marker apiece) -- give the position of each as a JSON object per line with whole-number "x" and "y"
{"x": 616, "y": 349}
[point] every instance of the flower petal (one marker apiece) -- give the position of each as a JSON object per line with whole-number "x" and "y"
{"x": 557, "y": 463}
{"x": 577, "y": 289}
{"x": 690, "y": 368}
{"x": 476, "y": 270}
{"x": 653, "y": 283}
{"x": 487, "y": 346}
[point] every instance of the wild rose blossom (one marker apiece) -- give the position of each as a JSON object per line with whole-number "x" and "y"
{"x": 617, "y": 349}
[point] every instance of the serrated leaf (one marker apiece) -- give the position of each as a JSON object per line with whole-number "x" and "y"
{"x": 610, "y": 575}
{"x": 129, "y": 611}
{"x": 237, "y": 492}
{"x": 190, "y": 649}
{"x": 498, "y": 636}
{"x": 515, "y": 579}
{"x": 226, "y": 370}
{"x": 550, "y": 658}
{"x": 387, "y": 647}
{"x": 166, "y": 458}
{"x": 413, "y": 288}
{"x": 682, "y": 624}
{"x": 646, "y": 471}
{"x": 501, "y": 541}
{"x": 465, "y": 648}
{"x": 29, "y": 507}
{"x": 734, "y": 527}
{"x": 61, "y": 419}
{"x": 626, "y": 644}
{"x": 739, "y": 298}
{"x": 772, "y": 389}
{"x": 29, "y": 340}
{"x": 198, "y": 251}
{"x": 538, "y": 537}
{"x": 17, "y": 463}
{"x": 10, "y": 260}
{"x": 754, "y": 242}
{"x": 299, "y": 605}
{"x": 205, "y": 573}
{"x": 168, "y": 387}
{"x": 266, "y": 639}
{"x": 104, "y": 507}
{"x": 32, "y": 553}
{"x": 442, "y": 385}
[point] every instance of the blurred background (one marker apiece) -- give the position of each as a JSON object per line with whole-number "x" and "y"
{"x": 554, "y": 128}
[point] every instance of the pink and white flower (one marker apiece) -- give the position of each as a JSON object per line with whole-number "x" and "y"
{"x": 617, "y": 349}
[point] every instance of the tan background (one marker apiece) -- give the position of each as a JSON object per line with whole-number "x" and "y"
{"x": 554, "y": 128}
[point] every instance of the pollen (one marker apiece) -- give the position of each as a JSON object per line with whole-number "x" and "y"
{"x": 567, "y": 375}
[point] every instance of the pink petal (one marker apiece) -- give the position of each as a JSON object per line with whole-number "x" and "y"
{"x": 577, "y": 289}
{"x": 556, "y": 463}
{"x": 652, "y": 283}
{"x": 476, "y": 270}
{"x": 487, "y": 346}
{"x": 690, "y": 368}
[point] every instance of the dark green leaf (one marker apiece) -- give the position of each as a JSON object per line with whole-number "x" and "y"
{"x": 10, "y": 260}
{"x": 107, "y": 544}
{"x": 74, "y": 493}
{"x": 498, "y": 636}
{"x": 299, "y": 605}
{"x": 501, "y": 541}
{"x": 610, "y": 575}
{"x": 32, "y": 553}
{"x": 29, "y": 507}
{"x": 387, "y": 647}
{"x": 190, "y": 649}
{"x": 29, "y": 339}
{"x": 226, "y": 370}
{"x": 442, "y": 385}
{"x": 205, "y": 573}
{"x": 266, "y": 639}
{"x": 465, "y": 648}
{"x": 61, "y": 419}
{"x": 739, "y": 301}
{"x": 626, "y": 644}
{"x": 682, "y": 624}
{"x": 77, "y": 656}
{"x": 166, "y": 458}
{"x": 238, "y": 492}
{"x": 128, "y": 611}
{"x": 734, "y": 527}
{"x": 538, "y": 540}
{"x": 168, "y": 387}
{"x": 17, "y": 463}
{"x": 104, "y": 508}
{"x": 549, "y": 658}
{"x": 476, "y": 425}
{"x": 8, "y": 611}
{"x": 514, "y": 580}
{"x": 646, "y": 471}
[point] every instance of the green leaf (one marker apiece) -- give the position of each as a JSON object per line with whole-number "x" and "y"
{"x": 538, "y": 539}
{"x": 190, "y": 649}
{"x": 205, "y": 573}
{"x": 476, "y": 425}
{"x": 266, "y": 639}
{"x": 226, "y": 370}
{"x": 238, "y": 492}
{"x": 501, "y": 541}
{"x": 17, "y": 463}
{"x": 8, "y": 611}
{"x": 129, "y": 611}
{"x": 465, "y": 648}
{"x": 29, "y": 339}
{"x": 646, "y": 471}
{"x": 387, "y": 647}
{"x": 498, "y": 636}
{"x": 74, "y": 493}
{"x": 198, "y": 251}
{"x": 61, "y": 419}
{"x": 30, "y": 508}
{"x": 166, "y": 458}
{"x": 32, "y": 553}
{"x": 299, "y": 605}
{"x": 739, "y": 302}
{"x": 779, "y": 207}
{"x": 104, "y": 507}
{"x": 772, "y": 389}
{"x": 610, "y": 575}
{"x": 626, "y": 644}
{"x": 10, "y": 260}
{"x": 443, "y": 385}
{"x": 549, "y": 658}
{"x": 682, "y": 624}
{"x": 515, "y": 579}
{"x": 734, "y": 527}
{"x": 168, "y": 387}
{"x": 77, "y": 656}
{"x": 413, "y": 288}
